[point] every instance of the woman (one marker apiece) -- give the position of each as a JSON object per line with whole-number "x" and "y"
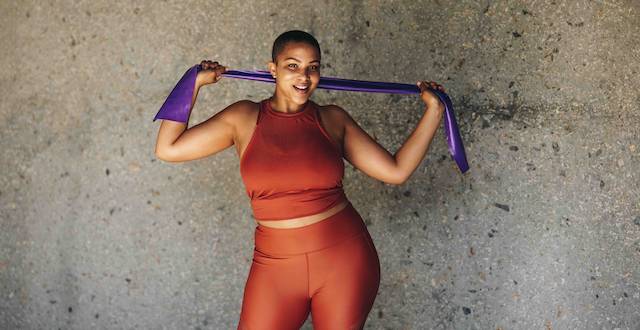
{"x": 313, "y": 252}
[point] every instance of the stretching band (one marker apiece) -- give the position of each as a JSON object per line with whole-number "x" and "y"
{"x": 177, "y": 106}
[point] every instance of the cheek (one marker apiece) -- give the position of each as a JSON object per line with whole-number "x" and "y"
{"x": 315, "y": 78}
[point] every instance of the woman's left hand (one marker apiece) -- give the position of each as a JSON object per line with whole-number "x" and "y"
{"x": 428, "y": 96}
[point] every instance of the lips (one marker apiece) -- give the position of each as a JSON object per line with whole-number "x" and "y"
{"x": 302, "y": 89}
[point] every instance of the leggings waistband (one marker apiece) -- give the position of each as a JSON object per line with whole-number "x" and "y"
{"x": 322, "y": 234}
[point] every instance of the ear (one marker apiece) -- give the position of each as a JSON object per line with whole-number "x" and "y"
{"x": 272, "y": 68}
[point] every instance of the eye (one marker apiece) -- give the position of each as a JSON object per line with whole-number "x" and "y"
{"x": 315, "y": 67}
{"x": 292, "y": 65}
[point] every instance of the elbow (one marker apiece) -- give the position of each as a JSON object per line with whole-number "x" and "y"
{"x": 398, "y": 180}
{"x": 162, "y": 154}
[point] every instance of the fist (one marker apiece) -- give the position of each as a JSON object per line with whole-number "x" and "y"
{"x": 211, "y": 72}
{"x": 427, "y": 94}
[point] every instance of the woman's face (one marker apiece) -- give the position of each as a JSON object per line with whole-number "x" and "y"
{"x": 298, "y": 65}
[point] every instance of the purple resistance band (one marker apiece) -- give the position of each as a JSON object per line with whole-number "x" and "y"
{"x": 177, "y": 106}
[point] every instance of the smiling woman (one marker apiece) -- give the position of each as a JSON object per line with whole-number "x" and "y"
{"x": 295, "y": 64}
{"x": 313, "y": 252}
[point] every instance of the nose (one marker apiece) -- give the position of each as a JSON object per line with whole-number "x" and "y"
{"x": 307, "y": 72}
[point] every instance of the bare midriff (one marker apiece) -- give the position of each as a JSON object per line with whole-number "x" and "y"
{"x": 304, "y": 221}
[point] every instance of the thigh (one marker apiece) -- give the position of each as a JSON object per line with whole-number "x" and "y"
{"x": 345, "y": 279}
{"x": 275, "y": 294}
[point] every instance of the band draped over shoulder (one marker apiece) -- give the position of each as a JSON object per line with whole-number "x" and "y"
{"x": 177, "y": 106}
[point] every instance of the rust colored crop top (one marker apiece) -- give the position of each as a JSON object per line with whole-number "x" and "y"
{"x": 291, "y": 167}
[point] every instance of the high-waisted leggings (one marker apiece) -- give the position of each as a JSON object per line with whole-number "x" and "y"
{"x": 329, "y": 268}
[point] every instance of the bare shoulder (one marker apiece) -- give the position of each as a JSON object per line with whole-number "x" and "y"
{"x": 335, "y": 114}
{"x": 240, "y": 112}
{"x": 242, "y": 108}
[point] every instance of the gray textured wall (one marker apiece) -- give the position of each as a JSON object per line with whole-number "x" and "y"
{"x": 542, "y": 233}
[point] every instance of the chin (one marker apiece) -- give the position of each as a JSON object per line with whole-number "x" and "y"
{"x": 302, "y": 98}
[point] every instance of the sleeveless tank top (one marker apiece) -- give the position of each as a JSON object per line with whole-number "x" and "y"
{"x": 291, "y": 167}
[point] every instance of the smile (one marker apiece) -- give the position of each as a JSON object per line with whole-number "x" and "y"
{"x": 302, "y": 89}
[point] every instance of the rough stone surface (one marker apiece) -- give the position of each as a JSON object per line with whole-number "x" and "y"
{"x": 543, "y": 232}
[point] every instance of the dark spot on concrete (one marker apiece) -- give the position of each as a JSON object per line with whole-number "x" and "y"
{"x": 407, "y": 193}
{"x": 515, "y": 282}
{"x": 366, "y": 22}
{"x": 466, "y": 310}
{"x": 136, "y": 10}
{"x": 472, "y": 291}
{"x": 112, "y": 210}
{"x": 598, "y": 152}
{"x": 513, "y": 148}
{"x": 625, "y": 294}
{"x": 525, "y": 12}
{"x": 636, "y": 221}
{"x": 563, "y": 173}
{"x": 64, "y": 19}
{"x": 442, "y": 158}
{"x": 88, "y": 13}
{"x": 601, "y": 184}
{"x": 555, "y": 146}
{"x": 70, "y": 309}
{"x": 380, "y": 315}
{"x": 424, "y": 227}
{"x": 511, "y": 83}
{"x": 416, "y": 213}
{"x": 179, "y": 223}
{"x": 593, "y": 278}
{"x": 502, "y": 206}
{"x": 73, "y": 42}
{"x": 485, "y": 123}
{"x": 97, "y": 315}
{"x": 456, "y": 217}
{"x": 530, "y": 167}
{"x": 492, "y": 232}
{"x": 340, "y": 41}
{"x": 597, "y": 296}
{"x": 614, "y": 302}
{"x": 107, "y": 172}
{"x": 53, "y": 301}
{"x": 28, "y": 14}
{"x": 148, "y": 202}
{"x": 128, "y": 280}
{"x": 516, "y": 34}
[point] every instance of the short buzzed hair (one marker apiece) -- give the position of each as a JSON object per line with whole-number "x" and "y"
{"x": 293, "y": 36}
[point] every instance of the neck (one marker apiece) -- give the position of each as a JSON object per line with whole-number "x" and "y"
{"x": 284, "y": 104}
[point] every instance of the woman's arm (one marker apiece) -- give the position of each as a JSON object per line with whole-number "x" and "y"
{"x": 176, "y": 143}
{"x": 364, "y": 153}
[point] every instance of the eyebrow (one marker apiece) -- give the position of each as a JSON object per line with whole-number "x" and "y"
{"x": 295, "y": 59}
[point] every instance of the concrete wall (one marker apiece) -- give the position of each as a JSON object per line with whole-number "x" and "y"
{"x": 543, "y": 232}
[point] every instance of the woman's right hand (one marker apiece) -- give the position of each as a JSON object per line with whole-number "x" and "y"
{"x": 210, "y": 74}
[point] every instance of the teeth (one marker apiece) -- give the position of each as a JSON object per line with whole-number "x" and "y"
{"x": 301, "y": 87}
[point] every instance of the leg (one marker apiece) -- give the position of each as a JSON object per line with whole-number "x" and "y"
{"x": 276, "y": 293}
{"x": 345, "y": 279}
